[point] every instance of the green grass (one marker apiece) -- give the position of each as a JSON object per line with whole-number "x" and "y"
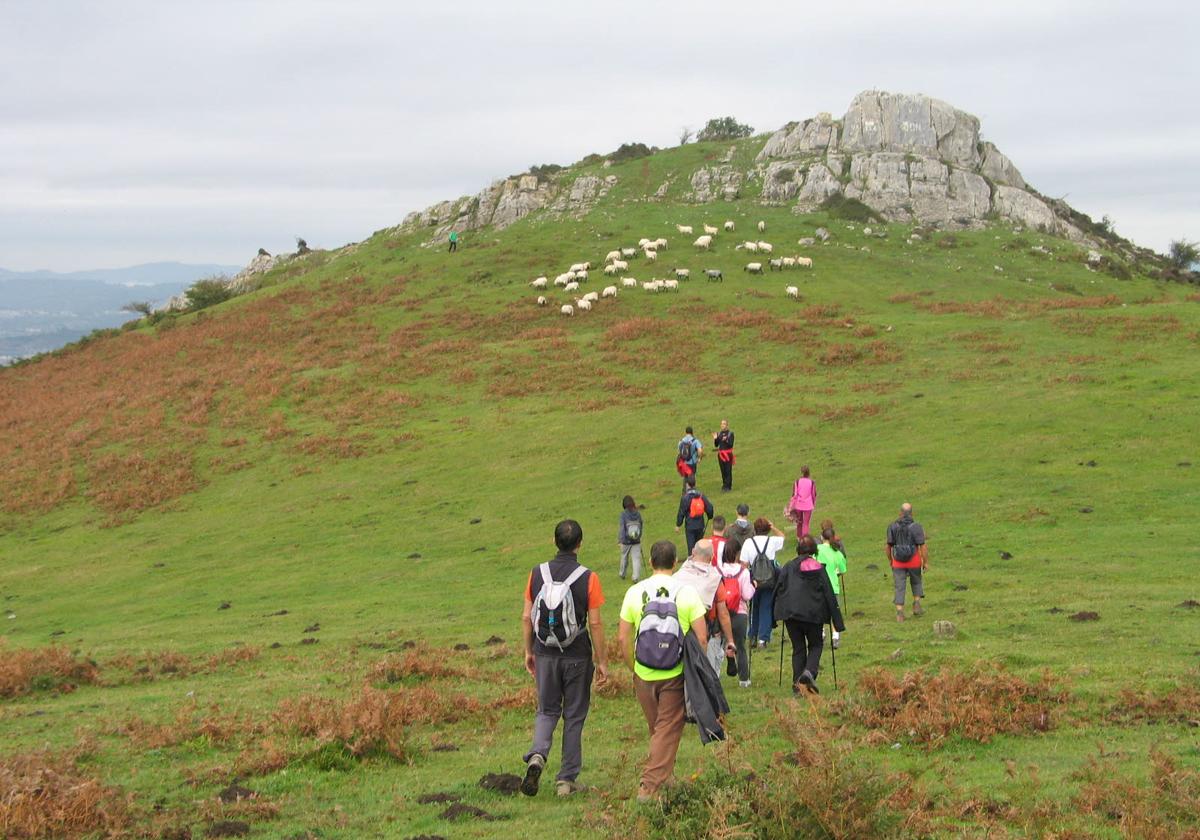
{"x": 986, "y": 419}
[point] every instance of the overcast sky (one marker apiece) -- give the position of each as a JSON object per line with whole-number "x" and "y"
{"x": 132, "y": 132}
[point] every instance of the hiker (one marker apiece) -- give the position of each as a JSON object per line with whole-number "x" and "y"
{"x": 694, "y": 512}
{"x": 737, "y": 590}
{"x": 741, "y": 529}
{"x": 453, "y": 241}
{"x": 689, "y": 452}
{"x": 758, "y": 555}
{"x": 907, "y": 553}
{"x": 804, "y": 602}
{"x": 629, "y": 537}
{"x": 718, "y": 538}
{"x": 804, "y": 499}
{"x": 564, "y": 647}
{"x": 723, "y": 443}
{"x": 662, "y": 610}
{"x": 827, "y": 524}
{"x": 834, "y": 562}
{"x": 699, "y": 572}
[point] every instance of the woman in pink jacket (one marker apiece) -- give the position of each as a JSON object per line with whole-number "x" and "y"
{"x": 804, "y": 499}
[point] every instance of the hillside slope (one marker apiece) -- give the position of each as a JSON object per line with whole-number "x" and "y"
{"x": 371, "y": 450}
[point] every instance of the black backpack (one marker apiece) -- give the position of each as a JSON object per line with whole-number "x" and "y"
{"x": 685, "y": 450}
{"x": 904, "y": 548}
{"x": 762, "y": 568}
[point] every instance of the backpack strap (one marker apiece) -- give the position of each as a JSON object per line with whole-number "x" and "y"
{"x": 545, "y": 570}
{"x": 575, "y": 575}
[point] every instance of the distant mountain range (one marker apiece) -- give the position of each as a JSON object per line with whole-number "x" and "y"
{"x": 43, "y": 310}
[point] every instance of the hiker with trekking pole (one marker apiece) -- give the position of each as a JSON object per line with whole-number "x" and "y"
{"x": 804, "y": 602}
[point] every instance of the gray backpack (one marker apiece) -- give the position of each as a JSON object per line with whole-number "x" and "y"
{"x": 553, "y": 616}
{"x": 762, "y": 568}
{"x": 659, "y": 643}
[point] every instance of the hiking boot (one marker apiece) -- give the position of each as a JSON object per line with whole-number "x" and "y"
{"x": 899, "y": 616}
{"x": 743, "y": 683}
{"x": 533, "y": 772}
{"x": 761, "y": 644}
{"x": 808, "y": 681}
{"x": 568, "y": 787}
{"x": 918, "y": 609}
{"x": 836, "y": 642}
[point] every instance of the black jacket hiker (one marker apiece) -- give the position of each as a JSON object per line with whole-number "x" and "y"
{"x": 703, "y": 696}
{"x": 804, "y": 602}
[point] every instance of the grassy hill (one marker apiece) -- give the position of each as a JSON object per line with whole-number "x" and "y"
{"x": 244, "y": 544}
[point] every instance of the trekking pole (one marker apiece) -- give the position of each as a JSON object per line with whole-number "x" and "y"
{"x": 833, "y": 655}
{"x": 782, "y": 642}
{"x": 845, "y": 597}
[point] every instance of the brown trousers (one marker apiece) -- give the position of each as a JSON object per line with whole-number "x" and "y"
{"x": 662, "y": 703}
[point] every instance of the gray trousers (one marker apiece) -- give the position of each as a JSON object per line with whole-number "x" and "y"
{"x": 564, "y": 688}
{"x": 631, "y": 552}
{"x": 899, "y": 577}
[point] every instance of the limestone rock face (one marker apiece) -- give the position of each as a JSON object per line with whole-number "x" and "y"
{"x": 815, "y": 135}
{"x": 878, "y": 121}
{"x": 1029, "y": 210}
{"x": 245, "y": 279}
{"x": 1000, "y": 169}
{"x": 713, "y": 182}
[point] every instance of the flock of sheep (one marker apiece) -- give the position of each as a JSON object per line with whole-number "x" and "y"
{"x": 616, "y": 262}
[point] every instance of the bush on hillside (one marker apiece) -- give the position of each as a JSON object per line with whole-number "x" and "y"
{"x": 1183, "y": 254}
{"x": 207, "y": 292}
{"x": 724, "y": 128}
{"x": 849, "y": 209}
{"x": 544, "y": 171}
{"x": 630, "y": 151}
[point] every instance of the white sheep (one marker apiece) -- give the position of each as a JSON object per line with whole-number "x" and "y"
{"x": 539, "y": 282}
{"x": 686, "y": 229}
{"x": 570, "y": 287}
{"x": 584, "y": 305}
{"x": 753, "y": 268}
{"x": 762, "y": 227}
{"x": 626, "y": 253}
{"x": 592, "y": 296}
{"x": 650, "y": 246}
{"x": 611, "y": 268}
{"x": 683, "y": 273}
{"x": 711, "y": 230}
{"x": 612, "y": 255}
{"x": 775, "y": 265}
{"x": 729, "y": 226}
{"x": 581, "y": 275}
{"x": 562, "y": 280}
{"x": 643, "y": 242}
{"x": 651, "y": 256}
{"x": 793, "y": 292}
{"x": 766, "y": 247}
{"x": 579, "y": 267}
{"x": 628, "y": 282}
{"x": 651, "y": 285}
{"x": 752, "y": 247}
{"x": 671, "y": 285}
{"x": 703, "y": 242}
{"x": 542, "y": 300}
{"x": 620, "y": 265}
{"x": 660, "y": 244}
{"x": 567, "y": 309}
{"x": 789, "y": 262}
{"x": 804, "y": 262}
{"x": 714, "y": 275}
{"x": 609, "y": 291}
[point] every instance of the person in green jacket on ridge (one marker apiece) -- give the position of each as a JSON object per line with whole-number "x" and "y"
{"x": 453, "y": 240}
{"x": 835, "y": 566}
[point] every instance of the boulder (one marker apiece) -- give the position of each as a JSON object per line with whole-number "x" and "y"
{"x": 817, "y": 135}
{"x": 878, "y": 121}
{"x": 713, "y": 182}
{"x": 999, "y": 169}
{"x": 1028, "y": 209}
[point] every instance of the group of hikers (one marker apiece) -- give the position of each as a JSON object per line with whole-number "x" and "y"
{"x": 683, "y": 624}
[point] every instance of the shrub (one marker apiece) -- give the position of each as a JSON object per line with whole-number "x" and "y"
{"x": 630, "y": 151}
{"x": 207, "y": 292}
{"x": 724, "y": 128}
{"x": 1183, "y": 253}
{"x": 544, "y": 171}
{"x": 23, "y": 671}
{"x": 46, "y": 795}
{"x": 849, "y": 209}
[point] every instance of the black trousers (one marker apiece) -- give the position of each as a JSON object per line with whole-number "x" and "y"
{"x": 693, "y": 537}
{"x": 806, "y": 647}
{"x": 726, "y": 474}
{"x": 454, "y": 245}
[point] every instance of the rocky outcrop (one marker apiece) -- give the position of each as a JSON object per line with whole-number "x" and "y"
{"x": 713, "y": 182}
{"x": 908, "y": 157}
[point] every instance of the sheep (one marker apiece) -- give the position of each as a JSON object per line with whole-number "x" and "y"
{"x": 651, "y": 285}
{"x": 792, "y": 292}
{"x": 592, "y": 297}
{"x": 650, "y": 246}
{"x": 762, "y": 227}
{"x": 626, "y": 253}
{"x": 562, "y": 280}
{"x": 685, "y": 229}
{"x": 643, "y": 242}
{"x": 804, "y": 262}
{"x": 539, "y": 282}
{"x": 766, "y": 247}
{"x": 703, "y": 242}
{"x": 651, "y": 256}
{"x": 671, "y": 285}
{"x": 789, "y": 262}
{"x": 775, "y": 265}
{"x": 661, "y": 243}
{"x": 542, "y": 300}
{"x": 611, "y": 268}
{"x": 609, "y": 291}
{"x": 711, "y": 230}
{"x": 570, "y": 287}
{"x": 580, "y": 267}
{"x": 612, "y": 255}
{"x": 567, "y": 309}
{"x": 729, "y": 226}
{"x": 628, "y": 282}
{"x": 753, "y": 268}
{"x": 620, "y": 265}
{"x": 752, "y": 247}
{"x": 683, "y": 274}
{"x": 714, "y": 274}
{"x": 581, "y": 275}
{"x": 584, "y": 305}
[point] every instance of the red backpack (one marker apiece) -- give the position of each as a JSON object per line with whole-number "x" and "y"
{"x": 696, "y": 507}
{"x": 730, "y": 591}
